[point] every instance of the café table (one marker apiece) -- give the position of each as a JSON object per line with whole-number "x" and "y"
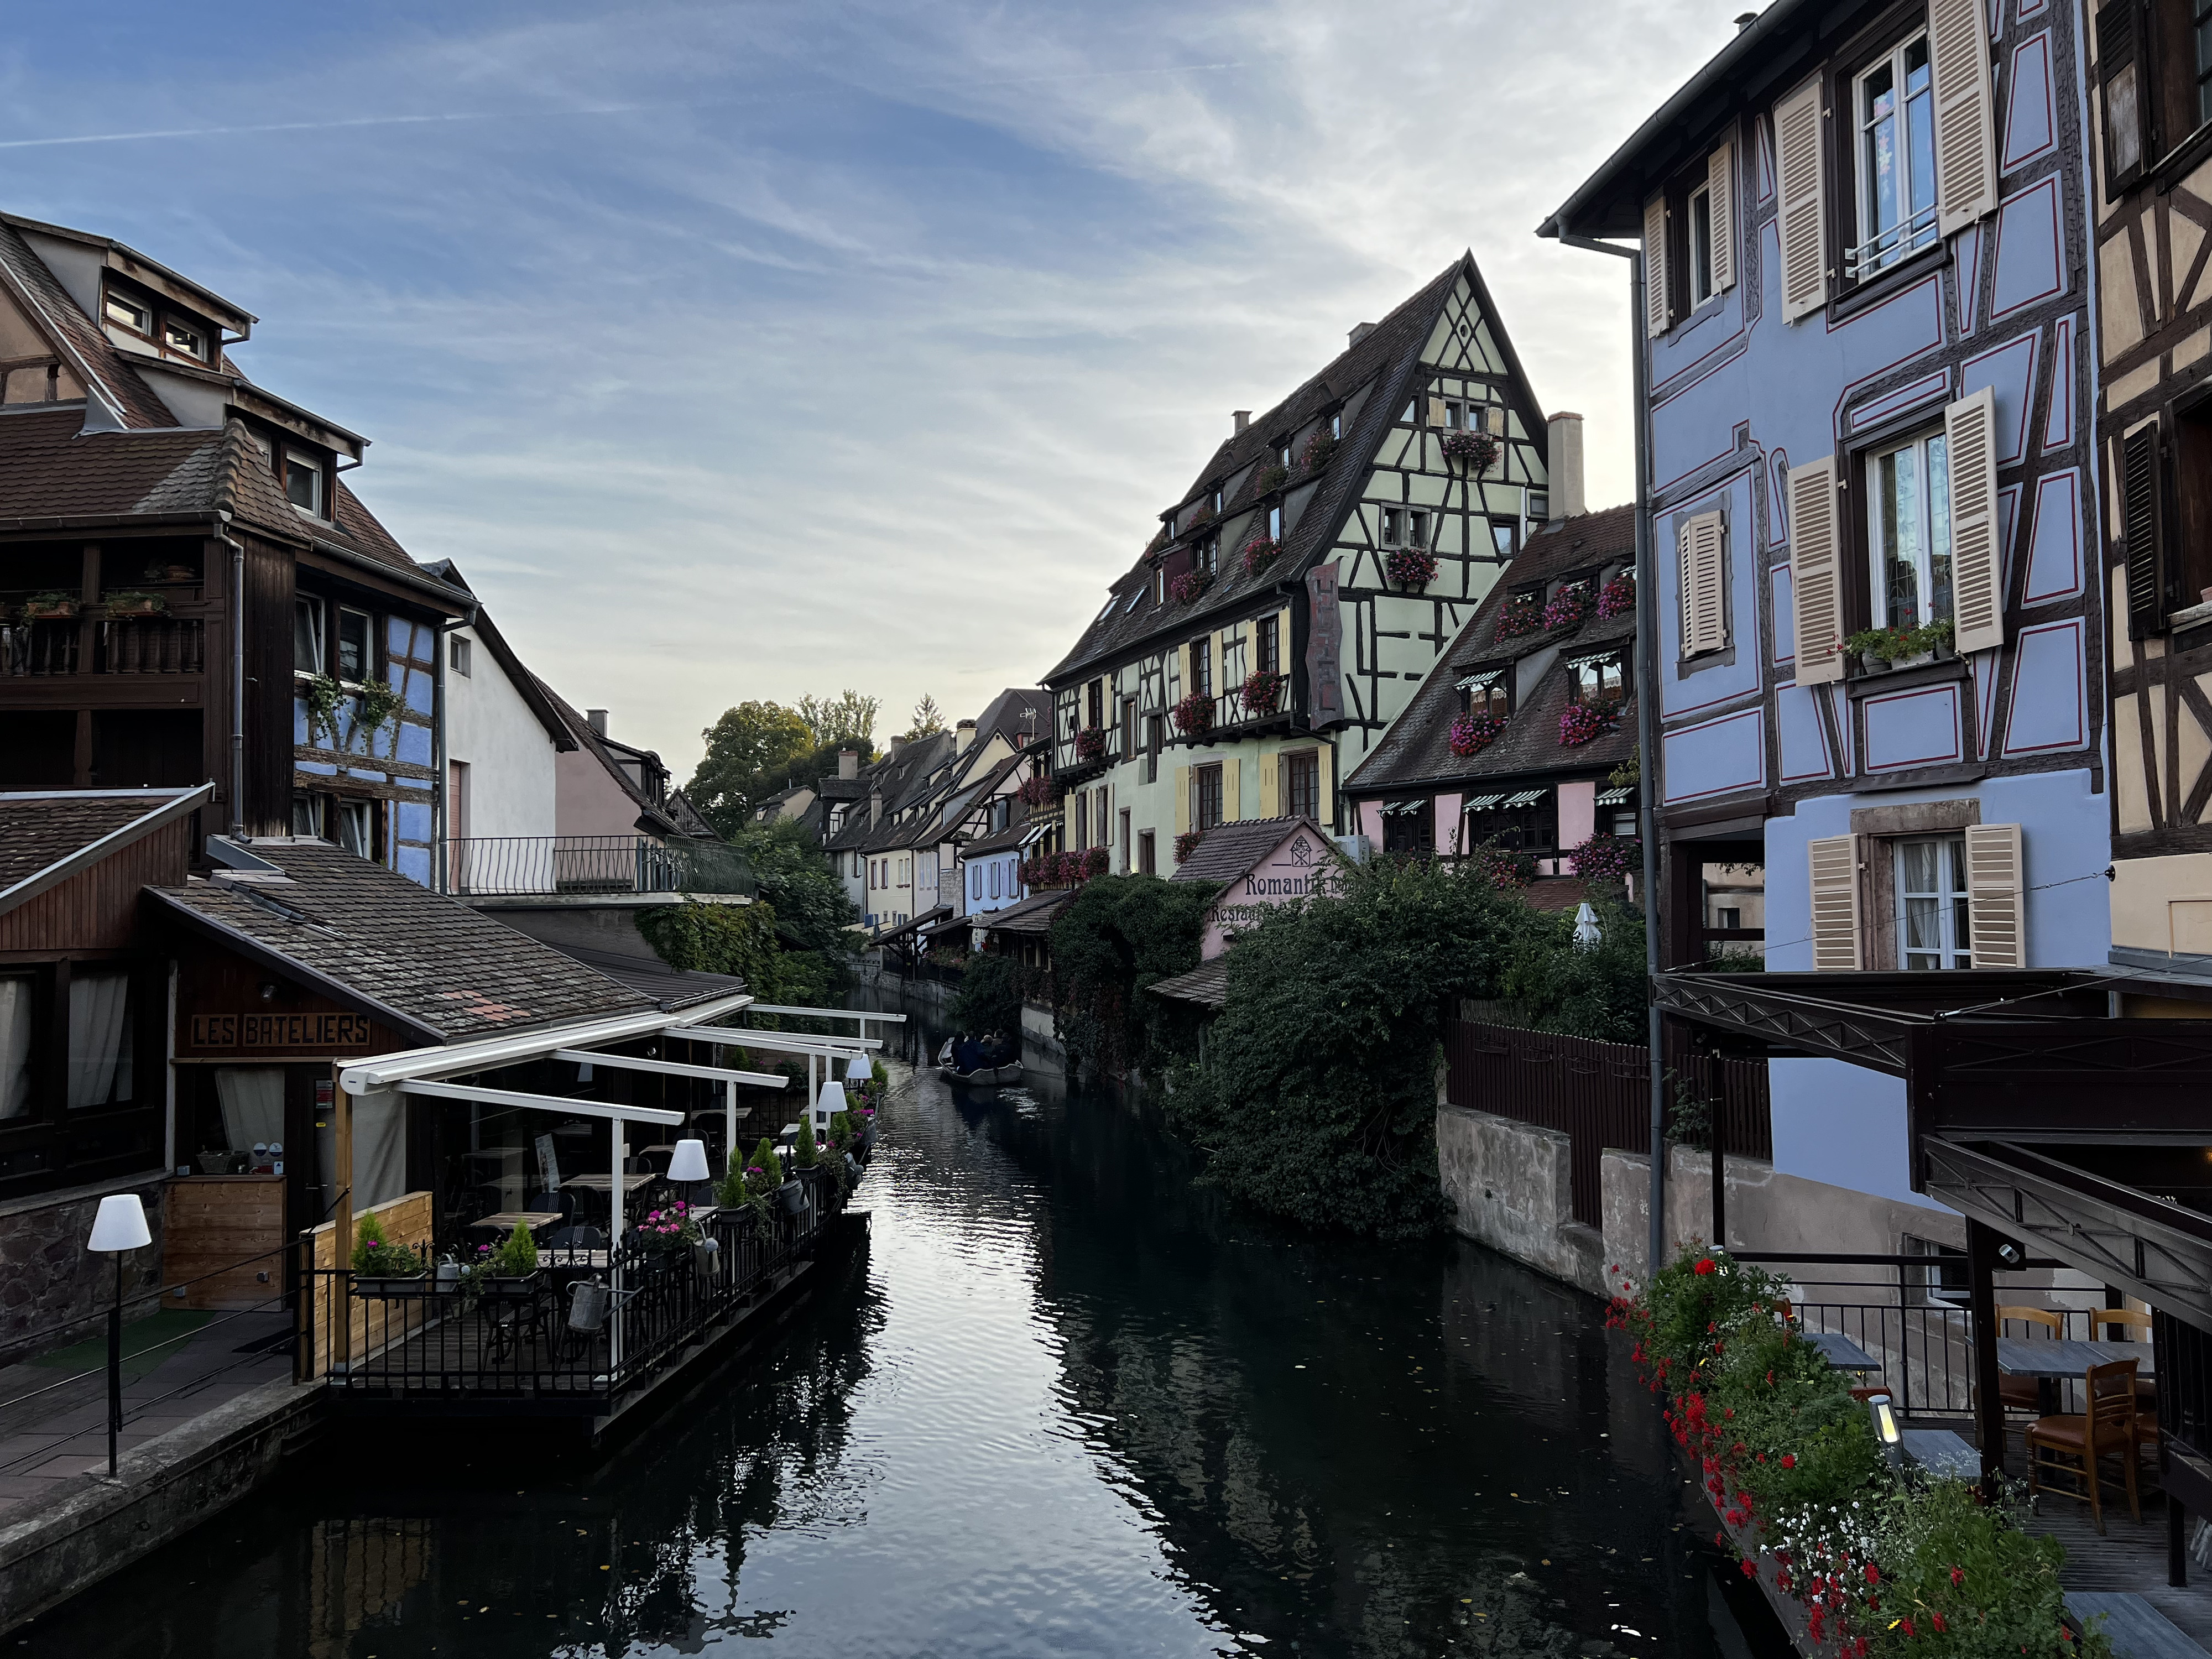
{"x": 2048, "y": 1362}
{"x": 600, "y": 1182}
{"x": 1842, "y": 1353}
{"x": 508, "y": 1220}
{"x": 1941, "y": 1451}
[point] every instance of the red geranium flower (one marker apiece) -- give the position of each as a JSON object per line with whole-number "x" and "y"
{"x": 1788, "y": 1460}
{"x": 1705, "y": 1266}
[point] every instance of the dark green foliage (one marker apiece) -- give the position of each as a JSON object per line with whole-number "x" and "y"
{"x": 1595, "y": 992}
{"x": 1317, "y": 1097}
{"x": 790, "y": 946}
{"x": 804, "y": 1153}
{"x": 990, "y": 994}
{"x": 1116, "y": 936}
{"x": 375, "y": 1257}
{"x": 811, "y": 910}
{"x": 516, "y": 1256}
{"x": 749, "y": 751}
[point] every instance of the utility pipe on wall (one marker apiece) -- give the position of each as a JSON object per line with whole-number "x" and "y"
{"x": 1647, "y": 742}
{"x": 237, "y": 616}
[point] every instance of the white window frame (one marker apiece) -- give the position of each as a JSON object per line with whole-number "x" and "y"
{"x": 360, "y": 813}
{"x": 318, "y": 625}
{"x": 1697, "y": 218}
{"x": 308, "y": 462}
{"x": 460, "y": 655}
{"x": 1916, "y": 226}
{"x": 137, "y": 317}
{"x": 196, "y": 350}
{"x": 1931, "y": 520}
{"x": 1951, "y": 951}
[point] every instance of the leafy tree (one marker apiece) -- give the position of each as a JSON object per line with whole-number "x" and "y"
{"x": 929, "y": 719}
{"x": 748, "y": 751}
{"x": 1119, "y": 934}
{"x": 845, "y": 721}
{"x": 990, "y": 994}
{"x": 1598, "y": 993}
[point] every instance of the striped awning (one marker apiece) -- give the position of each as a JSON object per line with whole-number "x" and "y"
{"x": 1524, "y": 798}
{"x": 1484, "y": 803}
{"x": 1042, "y": 827}
{"x": 1612, "y": 797}
{"x": 1398, "y": 808}
{"x": 1587, "y": 659}
{"x": 1475, "y": 682}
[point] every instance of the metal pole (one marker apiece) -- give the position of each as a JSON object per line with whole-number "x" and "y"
{"x": 115, "y": 1367}
{"x": 1989, "y": 1406}
{"x": 614, "y": 1127}
{"x": 730, "y": 1126}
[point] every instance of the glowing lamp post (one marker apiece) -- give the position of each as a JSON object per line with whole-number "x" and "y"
{"x": 119, "y": 1227}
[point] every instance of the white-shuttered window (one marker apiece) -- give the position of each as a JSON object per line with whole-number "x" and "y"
{"x": 1908, "y": 491}
{"x": 1701, "y": 552}
{"x": 1934, "y": 930}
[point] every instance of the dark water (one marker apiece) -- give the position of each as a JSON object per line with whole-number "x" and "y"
{"x": 1060, "y": 1402}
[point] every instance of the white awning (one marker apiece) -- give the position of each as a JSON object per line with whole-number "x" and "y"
{"x": 1484, "y": 676}
{"x": 1612, "y": 797}
{"x": 1483, "y": 803}
{"x": 483, "y": 1054}
{"x": 1399, "y": 809}
{"x": 670, "y": 1069}
{"x": 1525, "y": 798}
{"x": 562, "y": 1104}
{"x": 788, "y": 1042}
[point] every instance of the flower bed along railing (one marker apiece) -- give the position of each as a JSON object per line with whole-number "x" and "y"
{"x": 1262, "y": 693}
{"x": 1062, "y": 869}
{"x": 1584, "y": 722}
{"x": 1522, "y": 613}
{"x": 1472, "y": 734}
{"x": 1880, "y": 1561}
{"x": 1194, "y": 715}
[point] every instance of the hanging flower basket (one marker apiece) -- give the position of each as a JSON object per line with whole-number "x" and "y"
{"x": 1608, "y": 857}
{"x": 1472, "y": 734}
{"x": 1263, "y": 690}
{"x": 1618, "y": 597}
{"x": 1269, "y": 478}
{"x": 1260, "y": 552}
{"x": 1090, "y": 743}
{"x": 1568, "y": 607}
{"x": 1034, "y": 790}
{"x": 1189, "y": 585}
{"x": 1523, "y": 614}
{"x": 1478, "y": 450}
{"x": 1582, "y": 722}
{"x": 1318, "y": 449}
{"x": 1187, "y": 843}
{"x": 1410, "y": 567}
{"x": 1194, "y": 715}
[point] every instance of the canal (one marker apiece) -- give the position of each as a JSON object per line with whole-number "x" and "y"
{"x": 1060, "y": 1401}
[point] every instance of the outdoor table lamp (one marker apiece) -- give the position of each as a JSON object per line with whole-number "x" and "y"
{"x": 828, "y": 1104}
{"x": 119, "y": 1226}
{"x": 860, "y": 1069}
{"x": 689, "y": 1164}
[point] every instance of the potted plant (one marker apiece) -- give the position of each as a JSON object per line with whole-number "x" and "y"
{"x": 1478, "y": 451}
{"x": 1260, "y": 552}
{"x": 1522, "y": 614}
{"x": 1187, "y": 843}
{"x": 1270, "y": 477}
{"x": 1262, "y": 692}
{"x": 1318, "y": 449}
{"x": 132, "y": 603}
{"x": 1472, "y": 734}
{"x": 1090, "y": 743}
{"x": 1583, "y": 721}
{"x": 1189, "y": 585}
{"x": 1617, "y": 596}
{"x": 1883, "y": 650}
{"x": 158, "y": 572}
{"x": 50, "y": 606}
{"x": 382, "y": 1267}
{"x": 1409, "y": 567}
{"x": 1203, "y": 515}
{"x": 669, "y": 1229}
{"x": 1568, "y": 607}
{"x": 1194, "y": 715}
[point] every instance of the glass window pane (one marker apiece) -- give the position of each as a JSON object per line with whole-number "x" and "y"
{"x": 1939, "y": 530}
{"x": 99, "y": 1038}
{"x": 308, "y": 635}
{"x": 1919, "y": 871}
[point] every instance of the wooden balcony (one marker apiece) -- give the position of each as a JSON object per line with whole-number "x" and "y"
{"x": 47, "y": 648}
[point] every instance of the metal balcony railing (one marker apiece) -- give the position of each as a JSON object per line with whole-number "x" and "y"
{"x": 502, "y": 866}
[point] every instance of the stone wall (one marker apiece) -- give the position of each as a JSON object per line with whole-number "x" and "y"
{"x": 51, "y": 1288}
{"x": 1509, "y": 1187}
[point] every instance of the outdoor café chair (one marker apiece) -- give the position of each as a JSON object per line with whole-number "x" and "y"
{"x": 2106, "y": 1429}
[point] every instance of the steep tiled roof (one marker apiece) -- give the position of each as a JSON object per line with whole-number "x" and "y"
{"x": 1416, "y": 749}
{"x": 1230, "y": 850}
{"x": 1387, "y": 358}
{"x": 1013, "y": 712}
{"x": 666, "y": 821}
{"x": 904, "y": 780}
{"x": 41, "y": 829}
{"x": 1003, "y": 841}
{"x": 368, "y": 931}
{"x": 1206, "y": 985}
{"x": 1033, "y": 914}
{"x": 671, "y": 987}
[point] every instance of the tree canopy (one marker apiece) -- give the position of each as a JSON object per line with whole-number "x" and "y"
{"x": 751, "y": 744}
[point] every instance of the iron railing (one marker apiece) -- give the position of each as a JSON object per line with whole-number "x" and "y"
{"x": 38, "y": 646}
{"x": 534, "y": 1342}
{"x": 502, "y": 865}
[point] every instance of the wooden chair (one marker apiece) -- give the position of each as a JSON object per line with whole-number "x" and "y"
{"x": 2132, "y": 1319}
{"x": 2023, "y": 1393}
{"x": 2107, "y": 1428}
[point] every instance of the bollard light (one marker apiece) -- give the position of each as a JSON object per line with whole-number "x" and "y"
{"x": 119, "y": 1226}
{"x": 1884, "y": 1429}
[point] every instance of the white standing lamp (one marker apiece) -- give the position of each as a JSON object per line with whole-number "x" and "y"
{"x": 688, "y": 1165}
{"x": 119, "y": 1228}
{"x": 830, "y": 1103}
{"x": 860, "y": 1069}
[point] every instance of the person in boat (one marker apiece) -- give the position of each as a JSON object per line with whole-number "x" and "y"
{"x": 999, "y": 1049}
{"x": 967, "y": 1054}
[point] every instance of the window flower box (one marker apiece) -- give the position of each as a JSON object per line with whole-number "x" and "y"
{"x": 1584, "y": 722}
{"x": 1263, "y": 691}
{"x": 1189, "y": 586}
{"x": 134, "y": 604}
{"x": 1410, "y": 567}
{"x": 1608, "y": 857}
{"x": 1478, "y": 451}
{"x": 1617, "y": 596}
{"x": 1036, "y": 792}
{"x": 1187, "y": 843}
{"x": 1090, "y": 743}
{"x": 1260, "y": 552}
{"x": 1884, "y": 650}
{"x": 1318, "y": 449}
{"x": 1568, "y": 606}
{"x": 49, "y": 607}
{"x": 1269, "y": 478}
{"x": 1523, "y": 614}
{"x": 1194, "y": 715}
{"x": 1472, "y": 734}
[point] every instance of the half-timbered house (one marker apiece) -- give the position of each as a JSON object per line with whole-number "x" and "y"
{"x": 1300, "y": 588}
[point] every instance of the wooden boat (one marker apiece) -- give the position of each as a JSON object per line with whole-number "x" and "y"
{"x": 983, "y": 1077}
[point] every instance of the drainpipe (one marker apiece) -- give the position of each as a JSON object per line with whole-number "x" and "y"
{"x": 237, "y": 675}
{"x": 1647, "y": 738}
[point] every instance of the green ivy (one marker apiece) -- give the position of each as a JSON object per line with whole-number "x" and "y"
{"x": 740, "y": 939}
{"x": 1119, "y": 934}
{"x": 990, "y": 994}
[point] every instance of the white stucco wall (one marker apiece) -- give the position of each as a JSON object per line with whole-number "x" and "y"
{"x": 509, "y": 754}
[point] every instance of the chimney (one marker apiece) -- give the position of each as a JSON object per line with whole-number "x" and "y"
{"x": 1745, "y": 20}
{"x": 848, "y": 763}
{"x": 1563, "y": 435}
{"x": 1242, "y": 417}
{"x": 892, "y": 745}
{"x": 963, "y": 733}
{"x": 597, "y": 719}
{"x": 1360, "y": 331}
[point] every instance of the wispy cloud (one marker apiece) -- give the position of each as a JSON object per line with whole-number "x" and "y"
{"x": 745, "y": 351}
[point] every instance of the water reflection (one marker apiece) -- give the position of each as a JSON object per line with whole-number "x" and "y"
{"x": 1062, "y": 1401}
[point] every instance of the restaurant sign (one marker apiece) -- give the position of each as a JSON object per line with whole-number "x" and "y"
{"x": 1297, "y": 868}
{"x": 323, "y": 1034}
{"x": 230, "y": 1009}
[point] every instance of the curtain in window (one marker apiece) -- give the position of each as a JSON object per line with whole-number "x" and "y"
{"x": 99, "y": 1038}
{"x": 380, "y": 1149}
{"x": 14, "y": 1047}
{"x": 252, "y": 1099}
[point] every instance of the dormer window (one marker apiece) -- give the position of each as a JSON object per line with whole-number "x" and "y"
{"x": 303, "y": 481}
{"x": 178, "y": 337}
{"x": 126, "y": 311}
{"x": 1488, "y": 692}
{"x": 1601, "y": 681}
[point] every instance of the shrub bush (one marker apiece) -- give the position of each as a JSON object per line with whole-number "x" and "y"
{"x": 376, "y": 1257}
{"x": 1116, "y": 936}
{"x": 990, "y": 994}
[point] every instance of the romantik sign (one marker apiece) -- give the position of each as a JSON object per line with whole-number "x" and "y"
{"x": 1296, "y": 869}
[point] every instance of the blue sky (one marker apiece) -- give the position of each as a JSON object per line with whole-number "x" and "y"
{"x": 751, "y": 350}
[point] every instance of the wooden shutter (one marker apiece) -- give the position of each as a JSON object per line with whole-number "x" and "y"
{"x": 1996, "y": 907}
{"x": 1232, "y": 780}
{"x": 1803, "y": 221}
{"x": 1815, "y": 574}
{"x": 1183, "y": 799}
{"x": 1436, "y": 412}
{"x": 1657, "y": 313}
{"x": 1835, "y": 868}
{"x": 1720, "y": 191}
{"x": 2141, "y": 527}
{"x": 1965, "y": 114}
{"x": 1970, "y": 450}
{"x": 1699, "y": 546}
{"x": 1271, "y": 785}
{"x": 2123, "y": 72}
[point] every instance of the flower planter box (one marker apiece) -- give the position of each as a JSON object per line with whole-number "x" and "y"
{"x": 1873, "y": 665}
{"x": 51, "y": 611}
{"x": 145, "y": 607}
{"x": 395, "y": 1288}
